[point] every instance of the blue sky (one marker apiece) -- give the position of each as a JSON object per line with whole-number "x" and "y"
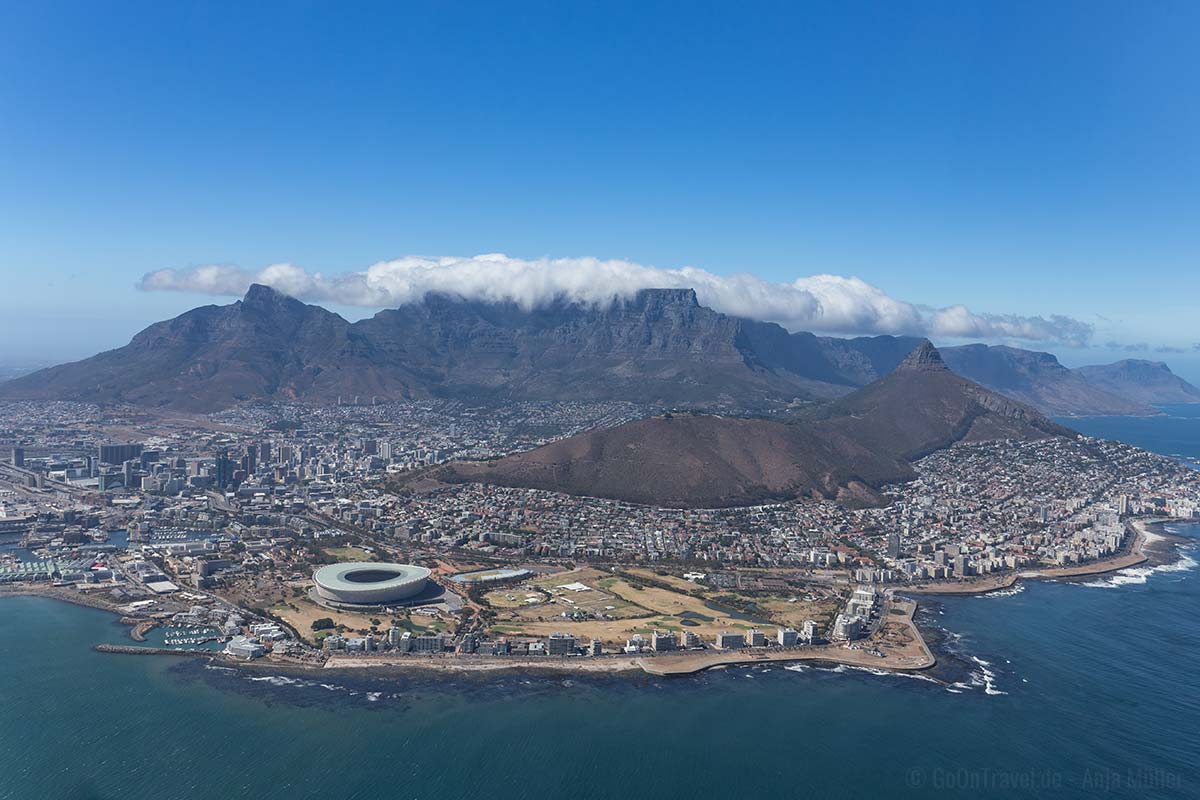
{"x": 1020, "y": 159}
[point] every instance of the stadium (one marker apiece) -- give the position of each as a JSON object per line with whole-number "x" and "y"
{"x": 369, "y": 583}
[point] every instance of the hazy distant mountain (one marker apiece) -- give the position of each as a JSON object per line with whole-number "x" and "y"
{"x": 1039, "y": 380}
{"x": 659, "y": 346}
{"x": 1145, "y": 381}
{"x": 847, "y": 449}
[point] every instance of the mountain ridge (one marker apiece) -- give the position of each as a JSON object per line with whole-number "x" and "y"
{"x": 660, "y": 346}
{"x": 656, "y": 347}
{"x": 1146, "y": 381}
{"x": 845, "y": 450}
{"x": 1039, "y": 379}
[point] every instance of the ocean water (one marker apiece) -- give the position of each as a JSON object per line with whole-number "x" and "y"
{"x": 1176, "y": 433}
{"x": 1076, "y": 689}
{"x": 1066, "y": 689}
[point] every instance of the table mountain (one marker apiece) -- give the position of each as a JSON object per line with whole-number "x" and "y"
{"x": 658, "y": 346}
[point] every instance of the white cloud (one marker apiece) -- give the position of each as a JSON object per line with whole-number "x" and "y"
{"x": 823, "y": 303}
{"x": 960, "y": 322}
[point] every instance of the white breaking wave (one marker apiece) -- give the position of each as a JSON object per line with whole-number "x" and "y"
{"x": 985, "y": 676}
{"x": 279, "y": 680}
{"x": 1139, "y": 575}
{"x": 1016, "y": 588}
{"x": 841, "y": 668}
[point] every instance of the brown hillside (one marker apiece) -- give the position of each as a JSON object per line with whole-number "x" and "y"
{"x": 847, "y": 450}
{"x": 691, "y": 461}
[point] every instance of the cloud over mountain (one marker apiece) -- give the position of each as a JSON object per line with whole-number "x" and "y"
{"x": 824, "y": 303}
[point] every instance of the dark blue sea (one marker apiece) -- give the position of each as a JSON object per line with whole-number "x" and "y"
{"x": 1072, "y": 689}
{"x": 1175, "y": 433}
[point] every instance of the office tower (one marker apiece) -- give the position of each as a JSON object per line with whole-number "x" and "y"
{"x": 224, "y": 470}
{"x": 118, "y": 453}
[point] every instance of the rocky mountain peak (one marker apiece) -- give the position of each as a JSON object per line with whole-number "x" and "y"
{"x": 924, "y": 358}
{"x": 260, "y": 296}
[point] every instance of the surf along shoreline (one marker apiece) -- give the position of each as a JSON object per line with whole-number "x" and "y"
{"x": 1146, "y": 535}
{"x": 898, "y": 645}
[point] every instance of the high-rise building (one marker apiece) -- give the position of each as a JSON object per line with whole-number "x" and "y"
{"x": 847, "y": 627}
{"x": 223, "y": 475}
{"x": 250, "y": 460}
{"x": 893, "y": 544}
{"x": 560, "y": 644}
{"x": 118, "y": 453}
{"x": 18, "y": 456}
{"x": 730, "y": 641}
{"x": 662, "y": 642}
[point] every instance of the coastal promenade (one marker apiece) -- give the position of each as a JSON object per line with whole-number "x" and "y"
{"x": 1134, "y": 555}
{"x": 454, "y": 662}
{"x": 898, "y": 647}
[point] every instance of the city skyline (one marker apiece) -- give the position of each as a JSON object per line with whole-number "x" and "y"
{"x": 388, "y": 390}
